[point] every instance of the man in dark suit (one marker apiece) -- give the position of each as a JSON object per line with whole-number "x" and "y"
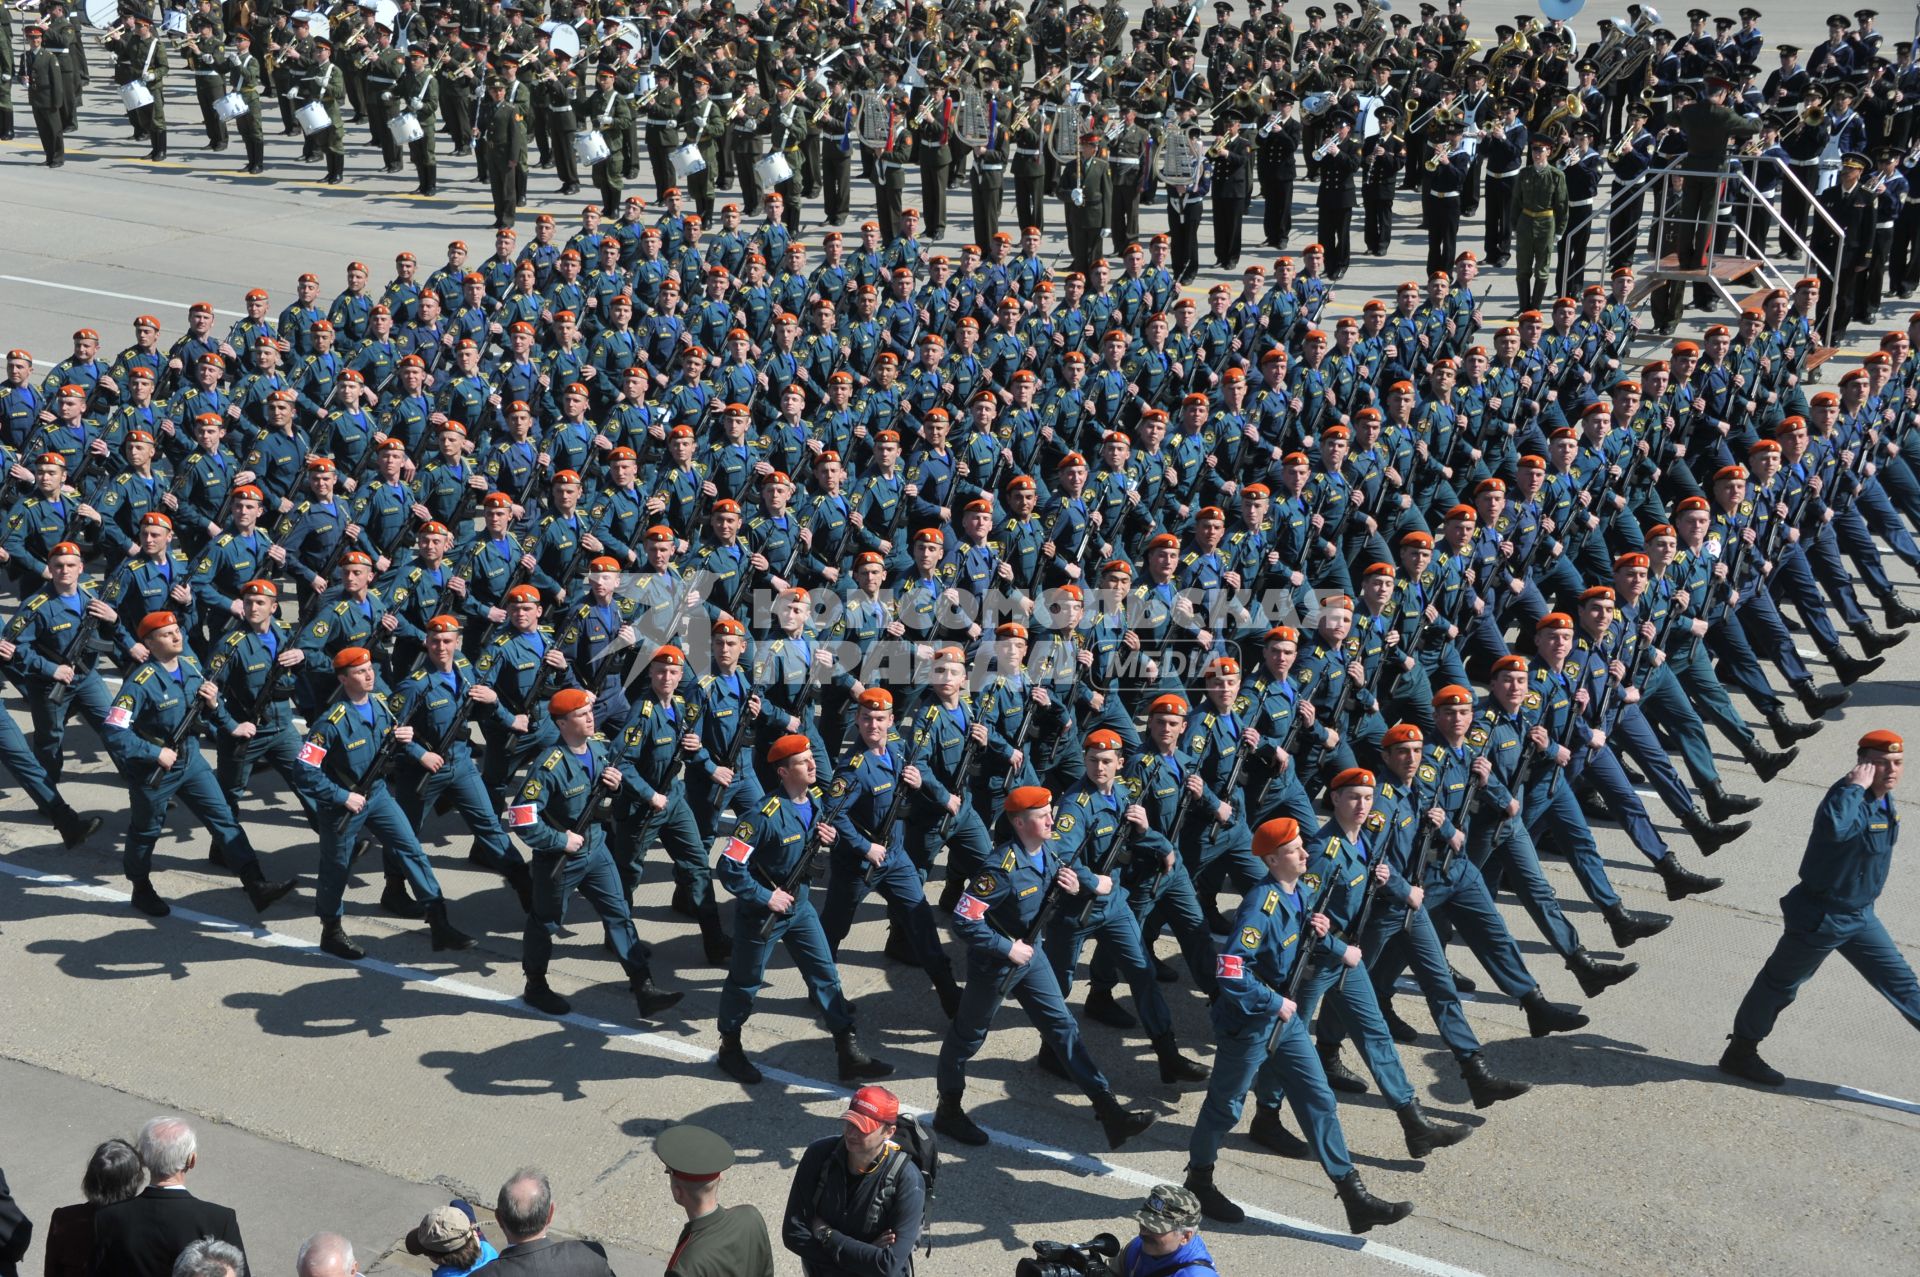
{"x": 525, "y": 1210}
{"x": 141, "y": 1237}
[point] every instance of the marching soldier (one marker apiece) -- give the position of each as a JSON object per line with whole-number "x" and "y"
{"x": 417, "y": 91}
{"x": 325, "y": 84}
{"x": 139, "y": 57}
{"x": 44, "y": 72}
{"x": 501, "y": 137}
{"x": 240, "y": 71}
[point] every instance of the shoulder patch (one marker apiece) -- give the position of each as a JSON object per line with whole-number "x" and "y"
{"x": 1532, "y": 700}
{"x": 1065, "y": 823}
{"x": 1250, "y": 937}
{"x": 1427, "y": 773}
{"x": 982, "y": 885}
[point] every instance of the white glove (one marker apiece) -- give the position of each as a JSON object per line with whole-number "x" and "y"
{"x": 1077, "y": 195}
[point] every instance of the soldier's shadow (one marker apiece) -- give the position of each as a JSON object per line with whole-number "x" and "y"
{"x": 560, "y": 1061}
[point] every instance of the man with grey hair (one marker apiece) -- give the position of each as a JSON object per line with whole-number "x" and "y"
{"x": 144, "y": 1236}
{"x": 326, "y": 1255}
{"x": 210, "y": 1258}
{"x": 525, "y": 1211}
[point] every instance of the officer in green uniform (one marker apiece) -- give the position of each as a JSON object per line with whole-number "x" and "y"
{"x": 418, "y": 91}
{"x": 7, "y": 67}
{"x": 1089, "y": 194}
{"x": 380, "y": 69}
{"x": 325, "y": 84}
{"x": 931, "y": 152}
{"x": 63, "y": 37}
{"x": 46, "y": 76}
{"x": 1539, "y": 211}
{"x": 717, "y": 1241}
{"x": 139, "y": 56}
{"x": 504, "y": 145}
{"x": 609, "y": 111}
{"x": 241, "y": 72}
{"x": 663, "y": 108}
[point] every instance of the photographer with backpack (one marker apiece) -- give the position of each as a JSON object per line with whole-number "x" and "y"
{"x": 859, "y": 1201}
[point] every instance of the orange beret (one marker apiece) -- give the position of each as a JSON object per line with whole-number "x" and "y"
{"x": 1275, "y": 834}
{"x": 568, "y": 700}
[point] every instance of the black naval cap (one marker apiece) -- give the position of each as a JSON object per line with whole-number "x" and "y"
{"x": 693, "y": 1152}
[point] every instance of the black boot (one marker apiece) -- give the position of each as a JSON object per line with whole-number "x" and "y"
{"x": 1339, "y": 1076}
{"x": 1487, "y": 1088}
{"x": 1742, "y": 1060}
{"x": 950, "y": 1120}
{"x": 715, "y": 944}
{"x": 1712, "y": 835}
{"x": 1175, "y": 1067}
{"x": 1628, "y": 925}
{"x": 948, "y": 991}
{"x": 1681, "y": 881}
{"x": 1544, "y": 1017}
{"x": 1214, "y": 1204}
{"x": 395, "y": 900}
{"x": 1120, "y": 1124}
{"x": 1271, "y": 1133}
{"x": 1787, "y": 732}
{"x": 260, "y": 892}
{"x": 335, "y": 940}
{"x": 1819, "y": 703}
{"x": 1898, "y": 613}
{"x": 540, "y": 996}
{"x": 147, "y": 900}
{"x": 733, "y": 1061}
{"x": 900, "y": 949}
{"x": 1163, "y": 971}
{"x": 1851, "y": 669}
{"x": 651, "y": 998}
{"x": 445, "y": 934}
{"x": 855, "y": 1064}
{"x": 73, "y": 828}
{"x": 1597, "y": 977}
{"x": 1102, "y": 1009}
{"x": 1768, "y": 763}
{"x": 1460, "y": 982}
{"x": 1721, "y": 804}
{"x": 1422, "y": 1135}
{"x": 520, "y": 878}
{"x": 1364, "y": 1210}
{"x": 682, "y": 902}
{"x": 1874, "y": 641}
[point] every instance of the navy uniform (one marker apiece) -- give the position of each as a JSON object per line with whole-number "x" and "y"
{"x": 514, "y": 665}
{"x": 551, "y": 803}
{"x": 51, "y": 631}
{"x": 1849, "y": 855}
{"x": 340, "y": 751}
{"x": 153, "y": 704}
{"x": 19, "y": 760}
{"x": 726, "y": 725}
{"x": 767, "y": 845}
{"x": 257, "y": 689}
{"x": 998, "y": 908}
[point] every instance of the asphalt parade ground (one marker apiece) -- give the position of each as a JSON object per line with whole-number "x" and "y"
{"x": 355, "y": 1096}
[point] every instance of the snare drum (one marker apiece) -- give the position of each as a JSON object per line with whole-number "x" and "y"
{"x": 134, "y": 96}
{"x": 230, "y": 107}
{"x": 687, "y": 161}
{"x": 771, "y": 170}
{"x": 406, "y": 129}
{"x": 313, "y": 118}
{"x": 590, "y": 147}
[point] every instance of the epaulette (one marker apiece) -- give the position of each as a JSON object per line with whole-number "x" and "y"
{"x": 144, "y": 674}
{"x": 335, "y": 714}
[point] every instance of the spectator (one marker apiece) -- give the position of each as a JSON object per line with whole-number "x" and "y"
{"x": 525, "y": 1210}
{"x": 114, "y": 1174}
{"x": 1169, "y": 1243}
{"x": 449, "y": 1237}
{"x": 326, "y": 1255}
{"x": 718, "y": 1241}
{"x": 857, "y": 1197}
{"x": 142, "y": 1236}
{"x": 16, "y": 1231}
{"x": 210, "y": 1257}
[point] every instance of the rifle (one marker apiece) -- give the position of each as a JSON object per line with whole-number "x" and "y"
{"x": 1374, "y": 862}
{"x": 884, "y": 827}
{"x": 81, "y": 651}
{"x": 1430, "y": 833}
{"x": 1309, "y": 945}
{"x": 189, "y": 721}
{"x": 1180, "y": 808}
{"x": 1049, "y": 906}
{"x": 960, "y": 781}
{"x": 1240, "y": 762}
{"x": 1118, "y": 854}
{"x": 802, "y": 869}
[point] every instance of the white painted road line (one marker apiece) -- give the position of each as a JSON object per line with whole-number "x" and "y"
{"x": 1874, "y": 1097}
{"x": 1086, "y": 1164}
{"x": 101, "y": 292}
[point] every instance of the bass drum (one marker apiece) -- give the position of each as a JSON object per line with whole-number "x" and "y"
{"x": 231, "y": 106}
{"x": 771, "y": 170}
{"x": 686, "y": 161}
{"x": 590, "y": 147}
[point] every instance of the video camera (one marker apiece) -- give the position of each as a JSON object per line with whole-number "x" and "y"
{"x": 1092, "y": 1258}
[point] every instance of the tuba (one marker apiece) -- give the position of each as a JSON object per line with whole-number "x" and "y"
{"x": 1063, "y": 135}
{"x": 973, "y": 118}
{"x": 1176, "y": 160}
{"x": 873, "y": 120}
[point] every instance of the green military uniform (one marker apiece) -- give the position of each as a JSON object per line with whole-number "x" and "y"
{"x": 63, "y": 37}
{"x": 46, "y": 74}
{"x": 7, "y": 64}
{"x": 419, "y": 92}
{"x": 138, "y": 55}
{"x": 505, "y": 147}
{"x": 728, "y": 1241}
{"x": 662, "y": 121}
{"x": 1029, "y": 171}
{"x": 610, "y": 112}
{"x": 326, "y": 84}
{"x": 705, "y": 124}
{"x": 1127, "y": 150}
{"x": 931, "y": 154}
{"x": 380, "y": 70}
{"x": 1539, "y": 211}
{"x": 241, "y": 74}
{"x": 747, "y": 141}
{"x": 457, "y": 78}
{"x": 206, "y": 61}
{"x": 1088, "y": 182}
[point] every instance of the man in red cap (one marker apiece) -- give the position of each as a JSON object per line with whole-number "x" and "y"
{"x": 859, "y": 1198}
{"x": 560, "y": 813}
{"x": 765, "y": 865}
{"x": 1849, "y": 855}
{"x": 999, "y": 917}
{"x": 150, "y": 733}
{"x": 870, "y": 789}
{"x": 345, "y": 759}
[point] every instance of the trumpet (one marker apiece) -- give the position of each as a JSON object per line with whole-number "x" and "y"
{"x": 1327, "y": 148}
{"x": 739, "y": 105}
{"x": 1625, "y": 144}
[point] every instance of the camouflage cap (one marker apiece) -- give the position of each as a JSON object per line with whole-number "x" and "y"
{"x": 1168, "y": 1209}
